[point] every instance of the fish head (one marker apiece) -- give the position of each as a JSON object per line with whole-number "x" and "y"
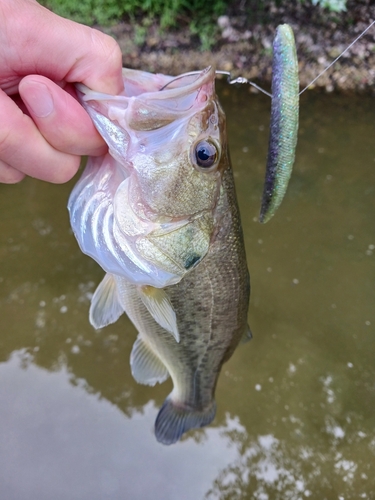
{"x": 167, "y": 137}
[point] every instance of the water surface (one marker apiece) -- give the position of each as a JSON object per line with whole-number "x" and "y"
{"x": 296, "y": 405}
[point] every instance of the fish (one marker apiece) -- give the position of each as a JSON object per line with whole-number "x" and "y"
{"x": 284, "y": 122}
{"x": 159, "y": 214}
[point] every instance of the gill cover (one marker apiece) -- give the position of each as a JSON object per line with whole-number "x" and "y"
{"x": 143, "y": 211}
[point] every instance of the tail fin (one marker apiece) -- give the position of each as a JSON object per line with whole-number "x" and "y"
{"x": 172, "y": 421}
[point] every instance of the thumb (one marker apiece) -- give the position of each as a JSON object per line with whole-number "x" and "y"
{"x": 59, "y": 117}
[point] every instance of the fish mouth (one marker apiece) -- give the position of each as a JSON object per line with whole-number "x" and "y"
{"x": 148, "y": 104}
{"x": 170, "y": 86}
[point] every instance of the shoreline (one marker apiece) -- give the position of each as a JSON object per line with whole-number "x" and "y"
{"x": 245, "y": 49}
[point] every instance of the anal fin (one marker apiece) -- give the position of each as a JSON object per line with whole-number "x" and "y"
{"x": 105, "y": 305}
{"x": 145, "y": 365}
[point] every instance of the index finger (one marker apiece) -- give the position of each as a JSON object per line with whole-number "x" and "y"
{"x": 37, "y": 41}
{"x": 23, "y": 148}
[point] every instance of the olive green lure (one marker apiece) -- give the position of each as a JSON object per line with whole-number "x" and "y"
{"x": 284, "y": 121}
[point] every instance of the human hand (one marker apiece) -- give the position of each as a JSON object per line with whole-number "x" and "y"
{"x": 43, "y": 129}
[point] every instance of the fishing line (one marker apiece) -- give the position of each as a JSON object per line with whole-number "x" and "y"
{"x": 242, "y": 79}
{"x": 338, "y": 57}
{"x": 230, "y": 80}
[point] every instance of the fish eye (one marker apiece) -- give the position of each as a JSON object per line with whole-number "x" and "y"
{"x": 206, "y": 154}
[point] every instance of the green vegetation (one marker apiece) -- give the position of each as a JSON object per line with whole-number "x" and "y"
{"x": 199, "y": 15}
{"x": 108, "y": 11}
{"x": 166, "y": 11}
{"x": 332, "y": 5}
{"x": 90, "y": 12}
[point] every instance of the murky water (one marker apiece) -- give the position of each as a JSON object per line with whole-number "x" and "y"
{"x": 296, "y": 405}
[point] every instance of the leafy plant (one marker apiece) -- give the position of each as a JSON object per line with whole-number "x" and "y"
{"x": 89, "y": 11}
{"x": 107, "y": 11}
{"x": 206, "y": 31}
{"x": 332, "y": 5}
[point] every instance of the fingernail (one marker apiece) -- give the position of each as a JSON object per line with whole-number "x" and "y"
{"x": 38, "y": 99}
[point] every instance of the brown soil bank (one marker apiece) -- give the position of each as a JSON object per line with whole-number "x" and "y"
{"x": 244, "y": 40}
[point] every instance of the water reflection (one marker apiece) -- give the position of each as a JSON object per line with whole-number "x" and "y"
{"x": 295, "y": 406}
{"x": 64, "y": 441}
{"x": 268, "y": 468}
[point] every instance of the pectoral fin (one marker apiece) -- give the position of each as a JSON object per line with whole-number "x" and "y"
{"x": 145, "y": 365}
{"x": 160, "y": 308}
{"x": 105, "y": 305}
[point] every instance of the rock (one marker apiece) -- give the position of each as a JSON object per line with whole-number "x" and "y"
{"x": 223, "y": 22}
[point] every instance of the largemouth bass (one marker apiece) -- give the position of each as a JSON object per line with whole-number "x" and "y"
{"x": 159, "y": 214}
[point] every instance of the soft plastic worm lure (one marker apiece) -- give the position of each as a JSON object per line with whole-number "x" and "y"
{"x": 284, "y": 114}
{"x": 284, "y": 121}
